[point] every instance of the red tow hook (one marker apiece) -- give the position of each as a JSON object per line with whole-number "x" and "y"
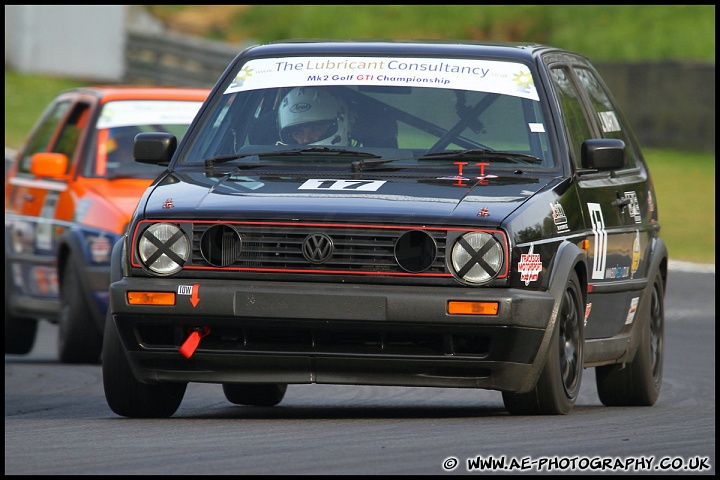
{"x": 191, "y": 343}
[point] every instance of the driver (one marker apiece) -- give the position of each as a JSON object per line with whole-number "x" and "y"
{"x": 314, "y": 116}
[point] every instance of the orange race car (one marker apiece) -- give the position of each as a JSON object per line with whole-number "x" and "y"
{"x": 68, "y": 198}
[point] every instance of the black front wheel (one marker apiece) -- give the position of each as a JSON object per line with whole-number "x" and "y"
{"x": 79, "y": 340}
{"x": 558, "y": 387}
{"x": 19, "y": 334}
{"x": 125, "y": 395}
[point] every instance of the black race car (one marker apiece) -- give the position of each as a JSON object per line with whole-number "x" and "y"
{"x": 428, "y": 214}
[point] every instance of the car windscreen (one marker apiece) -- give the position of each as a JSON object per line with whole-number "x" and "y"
{"x": 409, "y": 110}
{"x": 111, "y": 151}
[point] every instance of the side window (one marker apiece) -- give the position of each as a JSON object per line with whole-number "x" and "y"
{"x": 69, "y": 137}
{"x": 43, "y": 134}
{"x": 608, "y": 118}
{"x": 576, "y": 123}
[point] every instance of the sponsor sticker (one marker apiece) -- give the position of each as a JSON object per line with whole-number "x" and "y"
{"x": 632, "y": 310}
{"x": 529, "y": 266}
{"x": 634, "y": 207}
{"x": 507, "y": 78}
{"x": 559, "y": 217}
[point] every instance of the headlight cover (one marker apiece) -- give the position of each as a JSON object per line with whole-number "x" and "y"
{"x": 476, "y": 258}
{"x": 163, "y": 248}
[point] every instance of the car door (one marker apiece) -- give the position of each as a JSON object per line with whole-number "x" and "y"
{"x": 617, "y": 205}
{"x": 35, "y": 197}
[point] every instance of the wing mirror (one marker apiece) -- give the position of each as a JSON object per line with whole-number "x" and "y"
{"x": 49, "y": 164}
{"x": 603, "y": 154}
{"x": 155, "y": 148}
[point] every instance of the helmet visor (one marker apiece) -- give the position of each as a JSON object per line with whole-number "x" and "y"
{"x": 308, "y": 132}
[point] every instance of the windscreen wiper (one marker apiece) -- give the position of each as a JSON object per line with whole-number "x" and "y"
{"x": 334, "y": 151}
{"x": 507, "y": 157}
{"x": 359, "y": 165}
{"x": 212, "y": 161}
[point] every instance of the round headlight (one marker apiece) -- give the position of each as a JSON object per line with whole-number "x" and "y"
{"x": 477, "y": 257}
{"x": 164, "y": 248}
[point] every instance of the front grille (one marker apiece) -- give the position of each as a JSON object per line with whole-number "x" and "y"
{"x": 273, "y": 247}
{"x": 325, "y": 339}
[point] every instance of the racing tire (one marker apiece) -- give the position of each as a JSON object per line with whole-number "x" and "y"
{"x": 255, "y": 394}
{"x": 19, "y": 334}
{"x": 79, "y": 340}
{"x": 125, "y": 395}
{"x": 558, "y": 386}
{"x": 638, "y": 383}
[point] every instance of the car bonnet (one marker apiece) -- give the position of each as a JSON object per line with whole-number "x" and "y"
{"x": 204, "y": 195}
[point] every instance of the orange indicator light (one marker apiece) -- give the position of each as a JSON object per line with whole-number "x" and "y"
{"x": 473, "y": 308}
{"x": 151, "y": 298}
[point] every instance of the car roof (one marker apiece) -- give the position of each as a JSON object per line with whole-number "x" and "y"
{"x": 142, "y": 92}
{"x": 517, "y": 50}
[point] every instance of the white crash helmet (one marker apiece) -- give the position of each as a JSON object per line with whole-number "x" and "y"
{"x": 313, "y": 105}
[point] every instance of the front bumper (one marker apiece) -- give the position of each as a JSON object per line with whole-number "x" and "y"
{"x": 285, "y": 332}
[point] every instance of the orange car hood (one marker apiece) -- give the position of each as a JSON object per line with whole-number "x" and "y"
{"x": 108, "y": 205}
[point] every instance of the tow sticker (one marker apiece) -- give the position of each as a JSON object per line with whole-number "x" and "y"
{"x": 192, "y": 290}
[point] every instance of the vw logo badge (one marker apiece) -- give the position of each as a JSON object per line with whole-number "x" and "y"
{"x": 317, "y": 248}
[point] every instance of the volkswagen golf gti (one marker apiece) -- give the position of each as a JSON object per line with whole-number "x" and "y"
{"x": 430, "y": 214}
{"x": 69, "y": 195}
